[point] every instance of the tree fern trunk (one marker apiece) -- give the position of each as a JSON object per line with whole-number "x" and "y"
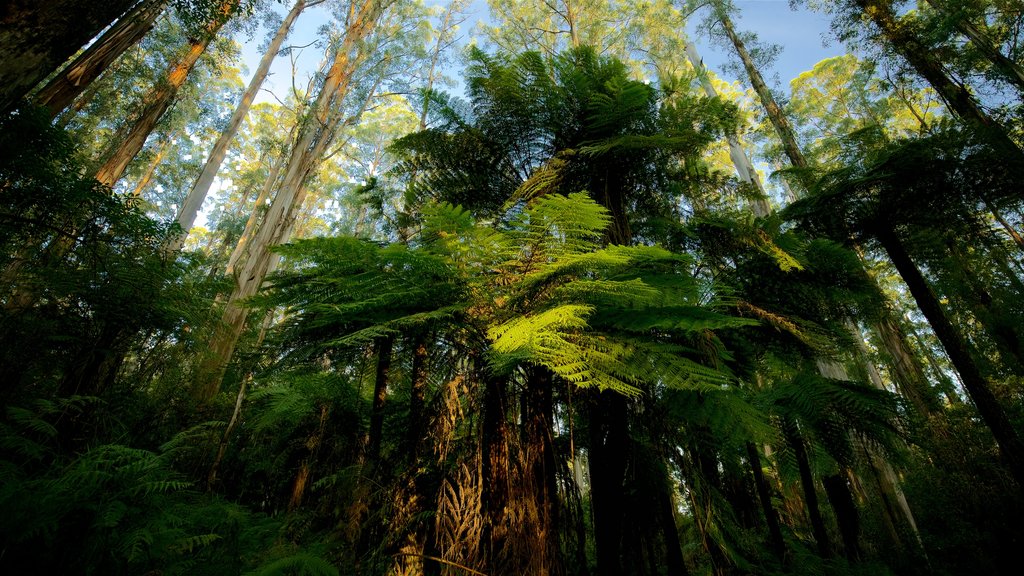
{"x": 765, "y": 496}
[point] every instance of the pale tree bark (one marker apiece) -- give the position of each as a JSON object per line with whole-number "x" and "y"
{"x": 67, "y": 85}
{"x": 147, "y": 176}
{"x": 776, "y": 116}
{"x": 194, "y": 200}
{"x": 250, "y": 224}
{"x": 1011, "y": 70}
{"x": 744, "y": 167}
{"x": 128, "y": 141}
{"x": 37, "y": 36}
{"x": 312, "y": 141}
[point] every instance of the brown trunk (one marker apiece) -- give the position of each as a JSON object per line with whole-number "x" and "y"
{"x": 810, "y": 492}
{"x": 765, "y": 496}
{"x": 539, "y": 460}
{"x": 147, "y": 176}
{"x": 496, "y": 472}
{"x": 959, "y": 354}
{"x": 306, "y": 468}
{"x": 128, "y": 141}
{"x": 380, "y": 396}
{"x": 957, "y": 97}
{"x": 197, "y": 195}
{"x": 67, "y": 85}
{"x": 609, "y": 446}
{"x": 37, "y": 36}
{"x": 841, "y": 499}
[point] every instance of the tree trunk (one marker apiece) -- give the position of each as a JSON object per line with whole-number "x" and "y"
{"x": 37, "y": 36}
{"x": 839, "y": 496}
{"x": 128, "y": 141}
{"x": 744, "y": 167}
{"x": 959, "y": 354}
{"x": 197, "y": 195}
{"x": 674, "y": 561}
{"x": 765, "y": 496}
{"x": 772, "y": 108}
{"x": 306, "y": 468}
{"x": 380, "y": 395}
{"x": 1012, "y": 71}
{"x": 539, "y": 461}
{"x": 496, "y": 472}
{"x": 147, "y": 176}
{"x": 956, "y": 96}
{"x": 609, "y": 447}
{"x": 67, "y": 85}
{"x": 310, "y": 144}
{"x": 810, "y": 492}
{"x": 906, "y": 367}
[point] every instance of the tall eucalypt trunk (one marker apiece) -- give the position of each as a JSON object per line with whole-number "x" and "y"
{"x": 902, "y": 38}
{"x": 771, "y": 106}
{"x": 194, "y": 200}
{"x": 37, "y": 36}
{"x": 310, "y": 144}
{"x": 958, "y": 350}
{"x": 745, "y": 170}
{"x": 128, "y": 141}
{"x": 67, "y": 85}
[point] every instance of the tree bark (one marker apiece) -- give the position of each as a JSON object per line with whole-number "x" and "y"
{"x": 959, "y": 353}
{"x": 380, "y": 395}
{"x": 744, "y": 167}
{"x": 197, "y": 195}
{"x": 765, "y": 496}
{"x": 1012, "y": 71}
{"x": 36, "y": 37}
{"x": 312, "y": 140}
{"x": 609, "y": 446}
{"x": 956, "y": 96}
{"x": 810, "y": 492}
{"x": 67, "y": 85}
{"x": 775, "y": 114}
{"x": 128, "y": 141}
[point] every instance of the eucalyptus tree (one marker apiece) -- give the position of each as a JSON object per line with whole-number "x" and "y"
{"x": 128, "y": 141}
{"x": 62, "y": 89}
{"x": 38, "y": 37}
{"x": 197, "y": 194}
{"x": 882, "y": 201}
{"x": 370, "y": 51}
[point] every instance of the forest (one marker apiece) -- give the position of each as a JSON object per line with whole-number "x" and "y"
{"x": 515, "y": 287}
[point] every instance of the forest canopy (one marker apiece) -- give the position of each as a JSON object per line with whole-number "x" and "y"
{"x": 540, "y": 295}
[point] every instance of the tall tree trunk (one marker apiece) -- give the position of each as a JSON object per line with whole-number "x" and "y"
{"x": 240, "y": 249}
{"x": 197, "y": 195}
{"x": 906, "y": 366}
{"x": 959, "y": 353}
{"x": 841, "y": 499}
{"x": 1012, "y": 71}
{"x": 744, "y": 167}
{"x": 765, "y": 496}
{"x": 810, "y": 492}
{"x": 674, "y": 561}
{"x": 772, "y": 108}
{"x": 957, "y": 97}
{"x": 496, "y": 471}
{"x": 128, "y": 141}
{"x": 609, "y": 447}
{"x": 67, "y": 85}
{"x": 312, "y": 140}
{"x": 313, "y": 443}
{"x": 147, "y": 176}
{"x": 538, "y": 451}
{"x": 37, "y": 36}
{"x": 380, "y": 395}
